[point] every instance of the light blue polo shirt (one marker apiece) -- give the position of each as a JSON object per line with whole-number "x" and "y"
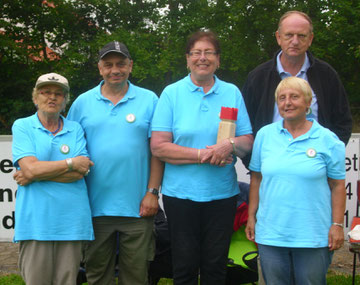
{"x": 193, "y": 119}
{"x": 295, "y": 197}
{"x": 313, "y": 112}
{"x": 118, "y": 143}
{"x": 49, "y": 210}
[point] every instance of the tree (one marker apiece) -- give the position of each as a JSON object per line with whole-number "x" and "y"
{"x": 64, "y": 36}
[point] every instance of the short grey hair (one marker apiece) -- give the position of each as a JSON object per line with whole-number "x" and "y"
{"x": 294, "y": 12}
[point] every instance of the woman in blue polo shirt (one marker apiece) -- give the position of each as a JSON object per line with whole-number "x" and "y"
{"x": 199, "y": 185}
{"x": 297, "y": 192}
{"x": 52, "y": 211}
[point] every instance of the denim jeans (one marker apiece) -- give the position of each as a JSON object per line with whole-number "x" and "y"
{"x": 300, "y": 266}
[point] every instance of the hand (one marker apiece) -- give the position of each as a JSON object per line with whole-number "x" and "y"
{"x": 250, "y": 229}
{"x": 336, "y": 237}
{"x": 20, "y": 178}
{"x": 82, "y": 164}
{"x": 149, "y": 205}
{"x": 218, "y": 154}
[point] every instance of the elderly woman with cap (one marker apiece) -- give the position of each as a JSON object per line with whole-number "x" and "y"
{"x": 297, "y": 192}
{"x": 52, "y": 212}
{"x": 200, "y": 186}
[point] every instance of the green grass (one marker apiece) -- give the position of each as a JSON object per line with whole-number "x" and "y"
{"x": 332, "y": 279}
{"x": 341, "y": 280}
{"x": 11, "y": 279}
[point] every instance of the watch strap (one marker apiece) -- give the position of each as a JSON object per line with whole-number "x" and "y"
{"x": 153, "y": 191}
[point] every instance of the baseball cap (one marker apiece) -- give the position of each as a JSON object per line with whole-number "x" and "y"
{"x": 114, "y": 46}
{"x": 53, "y": 78}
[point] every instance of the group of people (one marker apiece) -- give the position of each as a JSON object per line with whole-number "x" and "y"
{"x": 89, "y": 183}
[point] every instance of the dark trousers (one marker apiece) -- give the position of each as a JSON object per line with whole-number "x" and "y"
{"x": 200, "y": 234}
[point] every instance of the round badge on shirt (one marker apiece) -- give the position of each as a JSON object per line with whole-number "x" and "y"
{"x": 130, "y": 118}
{"x": 64, "y": 149}
{"x": 311, "y": 152}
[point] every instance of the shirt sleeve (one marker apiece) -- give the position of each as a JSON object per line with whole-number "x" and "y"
{"x": 22, "y": 144}
{"x": 335, "y": 161}
{"x": 80, "y": 142}
{"x": 255, "y": 162}
{"x": 243, "y": 125}
{"x": 163, "y": 116}
{"x": 155, "y": 101}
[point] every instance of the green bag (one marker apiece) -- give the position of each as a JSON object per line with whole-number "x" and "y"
{"x": 242, "y": 252}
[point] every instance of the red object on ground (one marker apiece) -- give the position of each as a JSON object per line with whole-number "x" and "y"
{"x": 241, "y": 216}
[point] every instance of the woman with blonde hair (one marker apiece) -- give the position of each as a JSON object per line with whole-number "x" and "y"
{"x": 297, "y": 192}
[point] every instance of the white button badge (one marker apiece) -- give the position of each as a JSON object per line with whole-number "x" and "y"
{"x": 64, "y": 149}
{"x": 311, "y": 152}
{"x": 130, "y": 118}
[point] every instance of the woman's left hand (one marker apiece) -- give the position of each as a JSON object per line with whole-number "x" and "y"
{"x": 220, "y": 154}
{"x": 21, "y": 179}
{"x": 336, "y": 237}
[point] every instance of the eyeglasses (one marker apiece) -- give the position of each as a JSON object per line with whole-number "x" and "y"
{"x": 48, "y": 93}
{"x": 289, "y": 36}
{"x": 207, "y": 53}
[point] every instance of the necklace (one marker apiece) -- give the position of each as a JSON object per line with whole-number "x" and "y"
{"x": 54, "y": 132}
{"x": 59, "y": 125}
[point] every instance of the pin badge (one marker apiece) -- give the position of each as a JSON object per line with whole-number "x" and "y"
{"x": 311, "y": 152}
{"x": 130, "y": 118}
{"x": 64, "y": 149}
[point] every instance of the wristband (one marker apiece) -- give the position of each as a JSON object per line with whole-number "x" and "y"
{"x": 233, "y": 144}
{"x": 69, "y": 163}
{"x": 199, "y": 162}
{"x": 337, "y": 224}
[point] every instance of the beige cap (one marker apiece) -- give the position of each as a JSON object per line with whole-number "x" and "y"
{"x": 53, "y": 78}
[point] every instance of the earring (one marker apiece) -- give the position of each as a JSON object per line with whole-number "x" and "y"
{"x": 308, "y": 111}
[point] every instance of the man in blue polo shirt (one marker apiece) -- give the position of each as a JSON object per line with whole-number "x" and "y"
{"x": 123, "y": 186}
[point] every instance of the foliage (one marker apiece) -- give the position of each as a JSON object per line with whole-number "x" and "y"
{"x": 155, "y": 33}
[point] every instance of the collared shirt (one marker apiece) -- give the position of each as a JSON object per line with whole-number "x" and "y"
{"x": 313, "y": 112}
{"x": 294, "y": 196}
{"x": 48, "y": 210}
{"x": 193, "y": 119}
{"x": 118, "y": 144}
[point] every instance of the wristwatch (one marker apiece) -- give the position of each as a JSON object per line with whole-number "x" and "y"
{"x": 154, "y": 191}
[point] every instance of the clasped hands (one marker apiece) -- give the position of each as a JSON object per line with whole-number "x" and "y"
{"x": 218, "y": 154}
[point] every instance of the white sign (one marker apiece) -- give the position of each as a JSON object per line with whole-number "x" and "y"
{"x": 8, "y": 189}
{"x": 352, "y": 176}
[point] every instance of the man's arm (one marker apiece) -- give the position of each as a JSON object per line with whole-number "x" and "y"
{"x": 149, "y": 205}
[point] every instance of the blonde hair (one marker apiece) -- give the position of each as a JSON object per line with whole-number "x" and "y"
{"x": 296, "y": 83}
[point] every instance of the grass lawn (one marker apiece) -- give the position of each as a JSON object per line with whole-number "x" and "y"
{"x": 332, "y": 279}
